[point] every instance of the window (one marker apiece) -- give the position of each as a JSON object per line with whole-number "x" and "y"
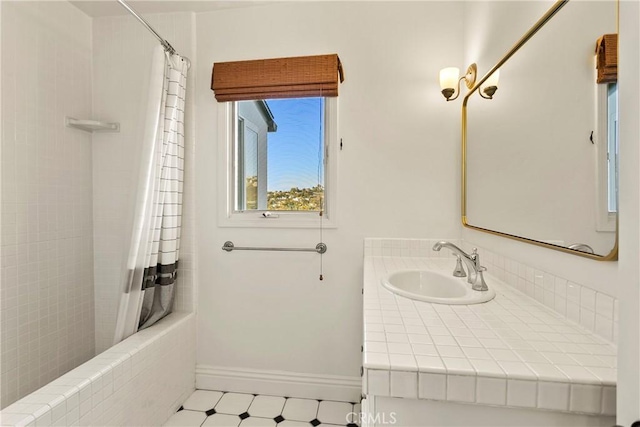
{"x": 607, "y": 156}
{"x": 612, "y": 147}
{"x": 278, "y": 135}
{"x": 280, "y": 169}
{"x": 279, "y": 152}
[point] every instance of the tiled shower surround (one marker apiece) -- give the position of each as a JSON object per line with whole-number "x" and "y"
{"x": 47, "y": 294}
{"x": 595, "y": 311}
{"x": 122, "y": 51}
{"x": 67, "y": 195}
{"x": 140, "y": 381}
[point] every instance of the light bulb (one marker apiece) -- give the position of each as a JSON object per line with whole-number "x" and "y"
{"x": 449, "y": 78}
{"x": 492, "y": 80}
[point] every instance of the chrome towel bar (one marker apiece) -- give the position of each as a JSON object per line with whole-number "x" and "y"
{"x": 229, "y": 246}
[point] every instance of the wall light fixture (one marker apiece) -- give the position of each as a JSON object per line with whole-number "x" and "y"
{"x": 450, "y": 82}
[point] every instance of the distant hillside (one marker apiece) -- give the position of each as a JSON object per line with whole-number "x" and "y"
{"x": 296, "y": 199}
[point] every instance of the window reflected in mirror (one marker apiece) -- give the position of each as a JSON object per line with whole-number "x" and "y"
{"x": 612, "y": 147}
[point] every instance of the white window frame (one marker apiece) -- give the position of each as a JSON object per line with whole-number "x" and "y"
{"x": 605, "y": 221}
{"x": 228, "y": 217}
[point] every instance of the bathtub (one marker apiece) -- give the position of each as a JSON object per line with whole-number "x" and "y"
{"x": 140, "y": 381}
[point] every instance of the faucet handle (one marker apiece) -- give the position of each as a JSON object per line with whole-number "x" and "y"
{"x": 459, "y": 271}
{"x": 479, "y": 284}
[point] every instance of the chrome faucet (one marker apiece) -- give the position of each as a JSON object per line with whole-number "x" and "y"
{"x": 472, "y": 262}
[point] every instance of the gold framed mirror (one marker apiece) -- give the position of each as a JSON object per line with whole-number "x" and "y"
{"x": 539, "y": 159}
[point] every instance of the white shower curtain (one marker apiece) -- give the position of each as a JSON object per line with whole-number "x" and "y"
{"x": 149, "y": 285}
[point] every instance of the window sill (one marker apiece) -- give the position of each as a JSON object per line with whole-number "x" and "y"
{"x": 284, "y": 220}
{"x": 606, "y": 223}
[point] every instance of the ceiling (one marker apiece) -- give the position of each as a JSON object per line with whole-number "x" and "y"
{"x": 112, "y": 8}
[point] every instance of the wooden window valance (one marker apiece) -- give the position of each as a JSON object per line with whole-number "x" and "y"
{"x": 607, "y": 58}
{"x": 296, "y": 77}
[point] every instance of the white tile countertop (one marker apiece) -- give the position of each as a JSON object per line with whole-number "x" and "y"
{"x": 511, "y": 351}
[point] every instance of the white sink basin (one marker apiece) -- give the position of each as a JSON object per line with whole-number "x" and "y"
{"x": 435, "y": 287}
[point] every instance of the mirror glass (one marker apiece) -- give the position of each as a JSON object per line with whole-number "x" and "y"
{"x": 541, "y": 156}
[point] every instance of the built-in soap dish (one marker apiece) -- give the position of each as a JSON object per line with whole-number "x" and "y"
{"x": 91, "y": 125}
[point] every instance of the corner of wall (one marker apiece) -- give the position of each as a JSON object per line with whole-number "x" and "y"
{"x": 628, "y": 404}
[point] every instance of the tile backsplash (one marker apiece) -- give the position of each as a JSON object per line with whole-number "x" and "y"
{"x": 595, "y": 311}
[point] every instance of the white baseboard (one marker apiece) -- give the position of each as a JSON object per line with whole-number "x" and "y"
{"x": 279, "y": 383}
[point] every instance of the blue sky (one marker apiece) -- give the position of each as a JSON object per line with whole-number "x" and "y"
{"x": 295, "y": 150}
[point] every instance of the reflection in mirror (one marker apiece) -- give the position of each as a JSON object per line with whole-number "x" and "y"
{"x": 541, "y": 156}
{"x": 607, "y": 156}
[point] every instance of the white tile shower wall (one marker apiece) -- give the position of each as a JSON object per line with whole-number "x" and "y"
{"x": 121, "y": 64}
{"x": 594, "y": 310}
{"x": 47, "y": 244}
{"x": 140, "y": 381}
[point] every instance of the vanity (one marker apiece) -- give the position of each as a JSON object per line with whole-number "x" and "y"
{"x": 505, "y": 362}
{"x": 510, "y": 345}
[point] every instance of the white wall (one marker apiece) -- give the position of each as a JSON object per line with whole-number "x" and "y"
{"x": 47, "y": 252}
{"x": 121, "y": 66}
{"x": 398, "y": 176}
{"x": 493, "y": 27}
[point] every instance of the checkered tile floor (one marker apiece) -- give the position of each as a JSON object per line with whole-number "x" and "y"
{"x": 206, "y": 408}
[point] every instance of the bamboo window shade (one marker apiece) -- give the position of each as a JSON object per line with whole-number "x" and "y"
{"x": 296, "y": 77}
{"x": 607, "y": 58}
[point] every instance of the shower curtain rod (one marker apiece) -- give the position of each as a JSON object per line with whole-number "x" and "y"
{"x": 167, "y": 46}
